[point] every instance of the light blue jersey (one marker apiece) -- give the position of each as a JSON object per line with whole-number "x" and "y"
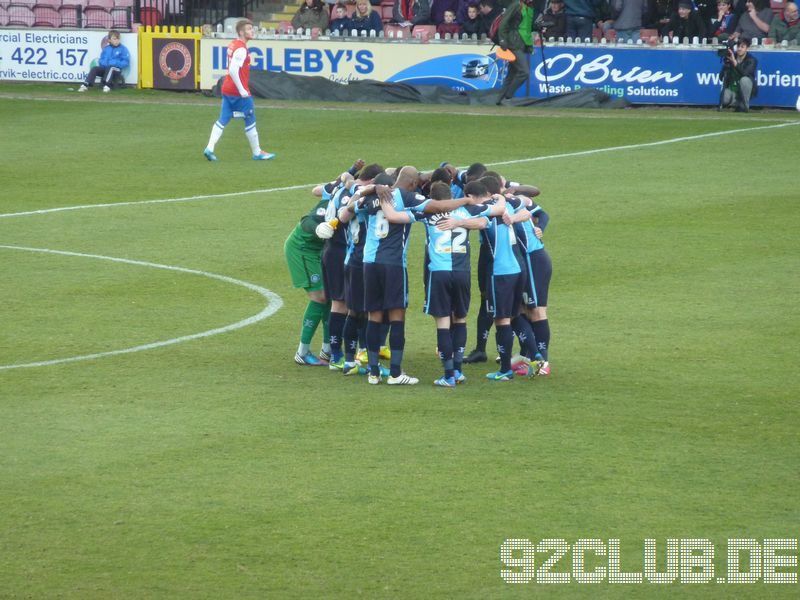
{"x": 449, "y": 250}
{"x": 501, "y": 240}
{"x": 387, "y": 243}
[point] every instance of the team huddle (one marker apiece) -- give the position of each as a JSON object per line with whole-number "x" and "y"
{"x": 349, "y": 254}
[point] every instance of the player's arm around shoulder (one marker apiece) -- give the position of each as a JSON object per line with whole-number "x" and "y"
{"x": 450, "y": 223}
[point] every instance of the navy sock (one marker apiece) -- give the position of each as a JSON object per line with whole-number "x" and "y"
{"x": 384, "y": 329}
{"x": 458, "y": 331}
{"x": 445, "y": 342}
{"x": 505, "y": 339}
{"x": 350, "y": 337}
{"x": 373, "y": 346}
{"x": 542, "y": 331}
{"x": 362, "y": 331}
{"x": 336, "y": 331}
{"x": 484, "y": 325}
{"x": 397, "y": 343}
{"x": 524, "y": 333}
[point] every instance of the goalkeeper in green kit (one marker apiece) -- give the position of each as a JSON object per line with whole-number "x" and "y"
{"x": 303, "y": 250}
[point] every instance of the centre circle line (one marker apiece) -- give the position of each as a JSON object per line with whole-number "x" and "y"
{"x": 274, "y": 303}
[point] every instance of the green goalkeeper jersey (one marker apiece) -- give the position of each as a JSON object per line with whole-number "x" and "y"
{"x": 303, "y": 235}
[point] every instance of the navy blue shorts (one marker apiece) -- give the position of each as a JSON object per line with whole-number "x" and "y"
{"x": 385, "y": 287}
{"x": 484, "y": 270}
{"x": 447, "y": 293}
{"x": 542, "y": 272}
{"x": 354, "y": 287}
{"x": 529, "y": 297}
{"x": 333, "y": 271}
{"x": 505, "y": 295}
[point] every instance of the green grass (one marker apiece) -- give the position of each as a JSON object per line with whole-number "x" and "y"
{"x": 217, "y": 468}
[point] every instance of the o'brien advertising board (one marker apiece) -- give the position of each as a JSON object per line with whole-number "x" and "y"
{"x": 659, "y": 76}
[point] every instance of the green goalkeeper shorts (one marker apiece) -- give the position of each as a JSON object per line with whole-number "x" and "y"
{"x": 305, "y": 266}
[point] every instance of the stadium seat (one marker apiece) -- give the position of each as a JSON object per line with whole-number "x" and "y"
{"x": 151, "y": 16}
{"x": 424, "y": 32}
{"x": 3, "y": 16}
{"x": 46, "y": 16}
{"x": 285, "y": 27}
{"x": 28, "y": 3}
{"x": 610, "y": 35}
{"x": 106, "y": 4}
{"x": 71, "y": 14}
{"x": 97, "y": 17}
{"x": 122, "y": 17}
{"x": 393, "y": 30}
{"x": 20, "y": 15}
{"x": 386, "y": 13}
{"x": 123, "y": 3}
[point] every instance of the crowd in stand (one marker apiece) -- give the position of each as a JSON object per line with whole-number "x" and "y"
{"x": 623, "y": 20}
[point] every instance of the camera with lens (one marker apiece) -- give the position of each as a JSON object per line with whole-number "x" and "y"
{"x": 726, "y": 46}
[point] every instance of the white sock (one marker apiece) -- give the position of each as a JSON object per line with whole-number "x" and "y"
{"x": 252, "y": 137}
{"x": 216, "y": 133}
{"x": 326, "y": 348}
{"x": 303, "y": 349}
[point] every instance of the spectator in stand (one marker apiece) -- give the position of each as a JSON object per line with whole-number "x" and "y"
{"x": 707, "y": 10}
{"x": 473, "y": 25}
{"x": 311, "y": 14}
{"x": 603, "y": 17}
{"x": 754, "y": 23}
{"x": 411, "y": 12}
{"x": 724, "y": 24}
{"x": 488, "y": 12}
{"x": 340, "y": 22}
{"x": 581, "y": 15}
{"x": 555, "y": 13}
{"x": 366, "y": 19}
{"x": 439, "y": 7}
{"x": 660, "y": 13}
{"x": 787, "y": 28}
{"x": 449, "y": 25}
{"x": 686, "y": 22}
{"x": 629, "y": 15}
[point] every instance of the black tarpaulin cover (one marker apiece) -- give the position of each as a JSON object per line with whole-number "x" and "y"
{"x": 286, "y": 86}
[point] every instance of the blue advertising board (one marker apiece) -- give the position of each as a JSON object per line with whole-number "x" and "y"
{"x": 659, "y": 76}
{"x": 640, "y": 75}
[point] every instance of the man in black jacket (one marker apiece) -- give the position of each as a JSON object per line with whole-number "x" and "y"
{"x": 739, "y": 77}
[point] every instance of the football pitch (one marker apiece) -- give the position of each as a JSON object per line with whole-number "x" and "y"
{"x": 158, "y": 441}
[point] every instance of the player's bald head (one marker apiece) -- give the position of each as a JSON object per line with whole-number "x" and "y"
{"x": 407, "y": 178}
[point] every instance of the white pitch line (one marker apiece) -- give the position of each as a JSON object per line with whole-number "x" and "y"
{"x": 274, "y": 304}
{"x": 689, "y": 138}
{"x": 492, "y": 164}
{"x": 45, "y": 211}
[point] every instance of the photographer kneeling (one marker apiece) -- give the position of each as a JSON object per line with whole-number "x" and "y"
{"x": 738, "y": 77}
